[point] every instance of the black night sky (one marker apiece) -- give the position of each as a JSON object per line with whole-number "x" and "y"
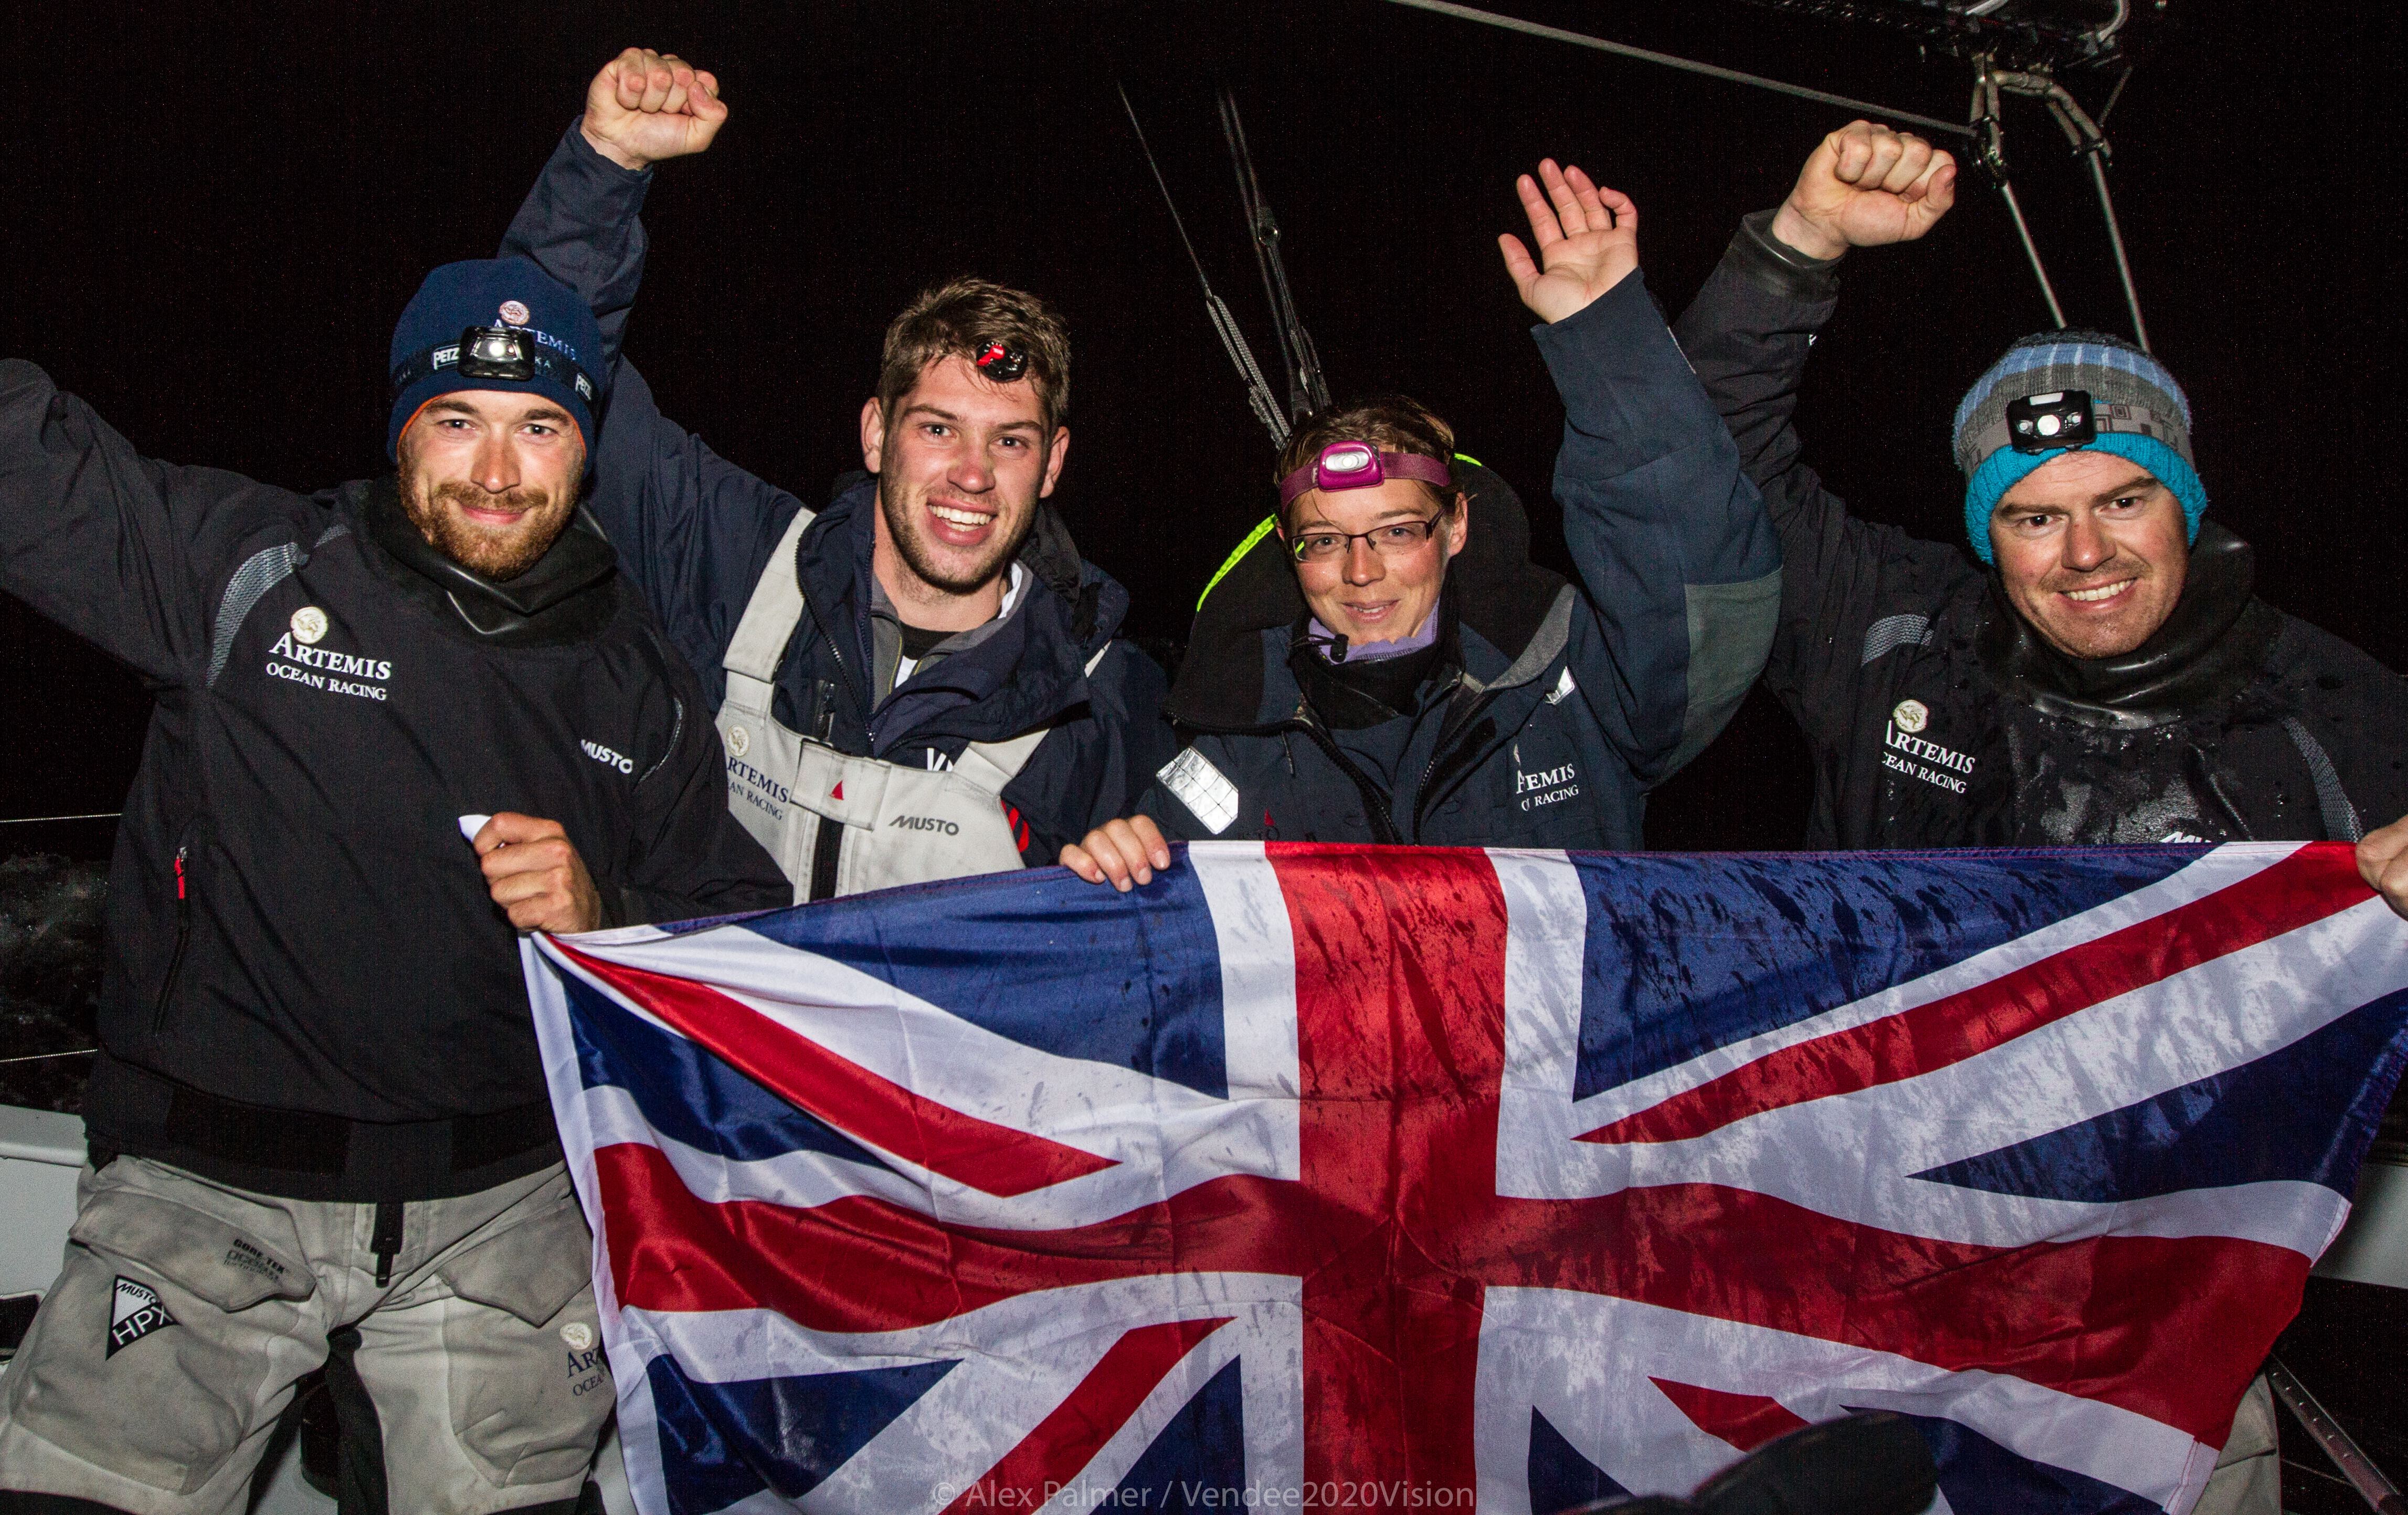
{"x": 213, "y": 219}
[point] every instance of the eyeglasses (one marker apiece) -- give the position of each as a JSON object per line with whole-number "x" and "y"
{"x": 1394, "y": 540}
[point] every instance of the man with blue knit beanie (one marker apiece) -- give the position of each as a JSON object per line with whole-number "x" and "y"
{"x": 2137, "y": 412}
{"x": 2096, "y": 669}
{"x": 397, "y": 723}
{"x": 562, "y": 360}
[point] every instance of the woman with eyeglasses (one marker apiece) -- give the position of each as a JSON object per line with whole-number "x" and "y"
{"x": 1382, "y": 661}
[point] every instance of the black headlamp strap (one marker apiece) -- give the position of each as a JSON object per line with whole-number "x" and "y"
{"x": 538, "y": 359}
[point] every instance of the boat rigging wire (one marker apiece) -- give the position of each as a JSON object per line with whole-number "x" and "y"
{"x": 45, "y": 1057}
{"x": 1258, "y": 389}
{"x": 2089, "y": 143}
{"x": 1308, "y": 388}
{"x": 1729, "y": 76}
{"x": 1990, "y": 152}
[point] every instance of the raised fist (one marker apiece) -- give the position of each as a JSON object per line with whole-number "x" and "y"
{"x": 646, "y": 106}
{"x": 1866, "y": 186}
{"x": 1588, "y": 237}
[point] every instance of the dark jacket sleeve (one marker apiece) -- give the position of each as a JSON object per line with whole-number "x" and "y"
{"x": 1669, "y": 535}
{"x": 1748, "y": 333}
{"x": 694, "y": 530}
{"x": 688, "y": 855}
{"x": 1101, "y": 762}
{"x": 98, "y": 537}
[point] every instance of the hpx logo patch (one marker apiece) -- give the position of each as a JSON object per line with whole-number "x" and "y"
{"x": 134, "y": 1312}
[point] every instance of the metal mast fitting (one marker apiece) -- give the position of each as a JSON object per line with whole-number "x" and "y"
{"x": 2089, "y": 144}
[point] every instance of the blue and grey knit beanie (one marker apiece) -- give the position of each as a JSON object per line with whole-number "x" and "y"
{"x": 2139, "y": 412}
{"x": 496, "y": 292}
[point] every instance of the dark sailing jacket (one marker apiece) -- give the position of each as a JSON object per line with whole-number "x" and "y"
{"x": 1552, "y": 707}
{"x": 695, "y": 533}
{"x": 307, "y": 990}
{"x": 1938, "y": 718}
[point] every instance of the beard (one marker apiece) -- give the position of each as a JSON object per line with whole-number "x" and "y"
{"x": 497, "y": 552}
{"x": 933, "y": 563}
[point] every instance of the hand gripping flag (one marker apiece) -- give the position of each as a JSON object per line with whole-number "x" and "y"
{"x": 1421, "y": 1179}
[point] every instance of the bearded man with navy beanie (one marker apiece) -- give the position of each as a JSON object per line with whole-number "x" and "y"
{"x": 2096, "y": 669}
{"x": 397, "y": 723}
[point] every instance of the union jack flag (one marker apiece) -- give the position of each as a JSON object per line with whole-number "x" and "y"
{"x": 1314, "y": 1176}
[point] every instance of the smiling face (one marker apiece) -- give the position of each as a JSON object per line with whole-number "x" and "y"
{"x": 1363, "y": 595}
{"x": 489, "y": 477}
{"x": 961, "y": 466}
{"x": 2093, "y": 551}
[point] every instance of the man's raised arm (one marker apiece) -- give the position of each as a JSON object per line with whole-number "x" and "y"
{"x": 579, "y": 222}
{"x": 693, "y": 530}
{"x": 1747, "y": 335}
{"x": 96, "y": 537}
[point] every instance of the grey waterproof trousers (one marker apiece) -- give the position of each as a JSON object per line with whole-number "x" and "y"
{"x": 154, "y": 1376}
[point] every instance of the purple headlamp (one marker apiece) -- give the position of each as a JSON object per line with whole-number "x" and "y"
{"x": 1357, "y": 465}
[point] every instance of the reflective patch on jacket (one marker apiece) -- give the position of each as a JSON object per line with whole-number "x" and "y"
{"x": 1204, "y": 789}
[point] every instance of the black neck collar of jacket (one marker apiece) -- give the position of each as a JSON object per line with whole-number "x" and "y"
{"x": 1497, "y": 592}
{"x": 2209, "y": 648}
{"x": 563, "y": 598}
{"x": 1352, "y": 695}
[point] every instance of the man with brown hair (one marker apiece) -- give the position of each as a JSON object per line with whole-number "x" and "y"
{"x": 921, "y": 680}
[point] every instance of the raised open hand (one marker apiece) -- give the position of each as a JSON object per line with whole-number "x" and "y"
{"x": 645, "y": 106}
{"x": 1866, "y": 186}
{"x": 1588, "y": 237}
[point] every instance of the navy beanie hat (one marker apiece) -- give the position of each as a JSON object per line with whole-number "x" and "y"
{"x": 2141, "y": 413}
{"x": 496, "y": 292}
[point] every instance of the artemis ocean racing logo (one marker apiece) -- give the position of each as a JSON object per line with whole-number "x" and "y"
{"x": 1942, "y": 768}
{"x": 296, "y": 661}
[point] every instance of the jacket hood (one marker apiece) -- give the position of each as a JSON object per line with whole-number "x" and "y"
{"x": 1498, "y": 593}
{"x": 2209, "y": 648}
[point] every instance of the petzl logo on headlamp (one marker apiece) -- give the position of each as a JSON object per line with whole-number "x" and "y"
{"x": 1000, "y": 363}
{"x": 2043, "y": 422}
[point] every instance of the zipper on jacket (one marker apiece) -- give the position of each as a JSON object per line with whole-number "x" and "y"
{"x": 1458, "y": 717}
{"x": 183, "y": 934}
{"x": 1375, "y": 804}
